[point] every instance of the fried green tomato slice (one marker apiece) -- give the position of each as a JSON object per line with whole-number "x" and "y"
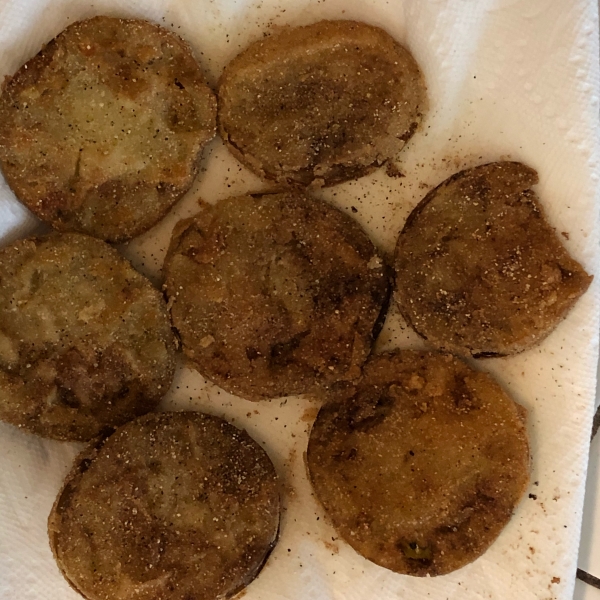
{"x": 320, "y": 104}
{"x": 275, "y": 294}
{"x": 479, "y": 270}
{"x": 85, "y": 340}
{"x": 102, "y": 131}
{"x": 420, "y": 465}
{"x": 172, "y": 506}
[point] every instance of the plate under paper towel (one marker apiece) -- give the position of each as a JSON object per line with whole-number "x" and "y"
{"x": 511, "y": 79}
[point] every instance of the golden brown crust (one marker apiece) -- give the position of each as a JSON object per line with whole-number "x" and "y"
{"x": 420, "y": 465}
{"x": 320, "y": 104}
{"x": 175, "y": 506}
{"x": 274, "y": 294}
{"x": 85, "y": 340}
{"x": 479, "y": 271}
{"x": 102, "y": 131}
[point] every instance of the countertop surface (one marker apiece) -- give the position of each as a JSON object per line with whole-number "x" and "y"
{"x": 588, "y": 573}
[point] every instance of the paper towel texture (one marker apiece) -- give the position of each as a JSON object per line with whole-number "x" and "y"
{"x": 511, "y": 79}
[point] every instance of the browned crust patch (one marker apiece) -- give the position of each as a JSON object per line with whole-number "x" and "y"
{"x": 421, "y": 464}
{"x": 101, "y": 132}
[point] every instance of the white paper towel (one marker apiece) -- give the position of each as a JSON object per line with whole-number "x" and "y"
{"x": 506, "y": 78}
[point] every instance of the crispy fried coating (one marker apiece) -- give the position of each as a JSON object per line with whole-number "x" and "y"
{"x": 479, "y": 271}
{"x": 102, "y": 131}
{"x": 172, "y": 506}
{"x": 275, "y": 294}
{"x": 420, "y": 465}
{"x": 85, "y": 340}
{"x": 320, "y": 104}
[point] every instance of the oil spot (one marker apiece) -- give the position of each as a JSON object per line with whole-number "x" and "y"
{"x": 310, "y": 414}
